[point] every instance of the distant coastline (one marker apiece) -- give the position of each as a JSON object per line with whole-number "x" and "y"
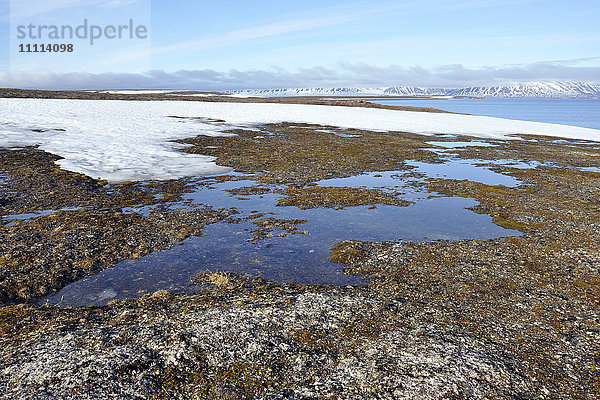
{"x": 532, "y": 89}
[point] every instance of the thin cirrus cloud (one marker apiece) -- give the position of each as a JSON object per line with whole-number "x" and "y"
{"x": 332, "y": 16}
{"x": 340, "y": 75}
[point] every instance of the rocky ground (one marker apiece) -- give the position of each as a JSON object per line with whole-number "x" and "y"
{"x": 515, "y": 317}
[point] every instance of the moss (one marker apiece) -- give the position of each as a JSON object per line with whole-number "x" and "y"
{"x": 249, "y": 191}
{"x": 348, "y": 253}
{"x": 218, "y": 279}
{"x": 7, "y": 261}
{"x": 507, "y": 223}
{"x": 314, "y": 339}
{"x": 20, "y": 320}
{"x": 236, "y": 381}
{"x": 593, "y": 380}
{"x": 266, "y": 227}
{"x": 302, "y": 154}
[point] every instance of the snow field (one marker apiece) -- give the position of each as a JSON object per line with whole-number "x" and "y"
{"x": 132, "y": 140}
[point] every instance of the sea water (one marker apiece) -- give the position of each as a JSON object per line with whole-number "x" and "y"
{"x": 576, "y": 112}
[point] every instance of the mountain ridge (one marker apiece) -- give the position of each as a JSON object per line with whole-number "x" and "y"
{"x": 531, "y": 90}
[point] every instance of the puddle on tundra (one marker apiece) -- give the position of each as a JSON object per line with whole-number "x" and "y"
{"x": 27, "y": 216}
{"x": 456, "y": 145}
{"x": 294, "y": 257}
{"x": 588, "y": 169}
{"x": 464, "y": 169}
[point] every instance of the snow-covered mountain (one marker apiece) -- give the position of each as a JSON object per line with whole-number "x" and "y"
{"x": 353, "y": 91}
{"x": 533, "y": 89}
{"x": 415, "y": 91}
{"x": 536, "y": 89}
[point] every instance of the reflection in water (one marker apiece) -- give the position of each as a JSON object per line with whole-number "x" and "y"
{"x": 459, "y": 169}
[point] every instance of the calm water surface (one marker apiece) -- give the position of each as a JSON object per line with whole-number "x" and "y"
{"x": 299, "y": 257}
{"x": 576, "y": 112}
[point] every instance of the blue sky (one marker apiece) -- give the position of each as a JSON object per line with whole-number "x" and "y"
{"x": 425, "y": 33}
{"x": 314, "y": 43}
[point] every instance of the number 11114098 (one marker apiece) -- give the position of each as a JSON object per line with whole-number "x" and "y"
{"x": 45, "y": 48}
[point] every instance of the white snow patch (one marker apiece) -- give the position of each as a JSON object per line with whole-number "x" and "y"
{"x": 143, "y": 91}
{"x": 198, "y": 95}
{"x": 132, "y": 140}
{"x": 239, "y": 96}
